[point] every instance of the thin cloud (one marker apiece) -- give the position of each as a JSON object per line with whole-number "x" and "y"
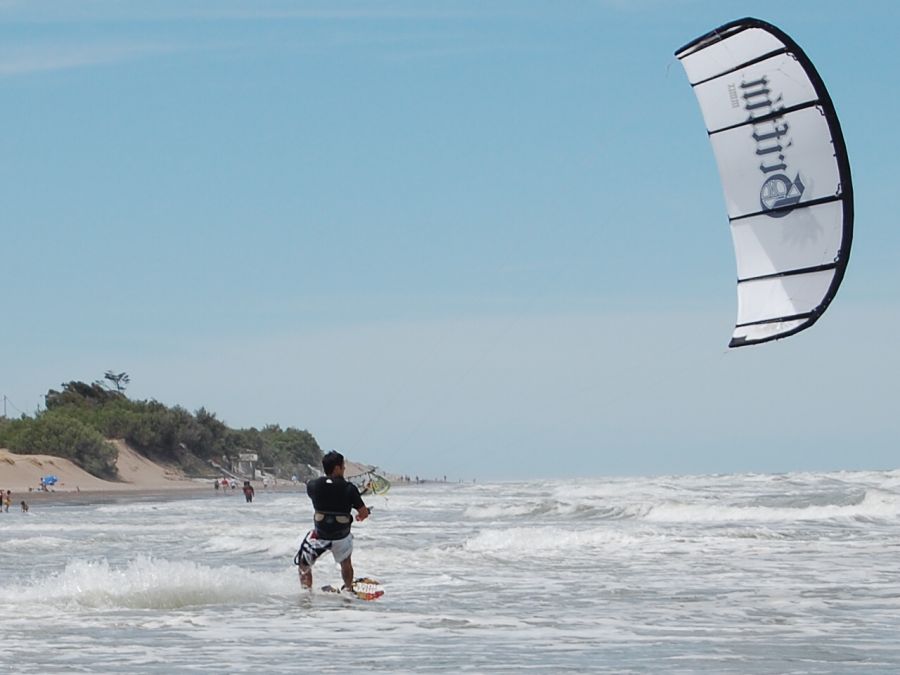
{"x": 45, "y": 58}
{"x": 53, "y": 11}
{"x": 640, "y": 5}
{"x": 322, "y": 14}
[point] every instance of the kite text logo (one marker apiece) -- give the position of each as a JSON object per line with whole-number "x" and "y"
{"x": 771, "y": 135}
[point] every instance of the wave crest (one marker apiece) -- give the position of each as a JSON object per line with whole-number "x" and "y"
{"x": 875, "y": 505}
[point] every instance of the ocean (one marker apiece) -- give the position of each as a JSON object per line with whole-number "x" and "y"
{"x": 788, "y": 573}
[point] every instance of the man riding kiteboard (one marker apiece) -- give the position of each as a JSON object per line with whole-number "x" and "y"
{"x": 332, "y": 498}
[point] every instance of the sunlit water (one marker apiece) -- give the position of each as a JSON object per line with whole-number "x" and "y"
{"x": 741, "y": 574}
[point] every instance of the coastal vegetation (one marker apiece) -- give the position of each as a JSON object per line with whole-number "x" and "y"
{"x": 80, "y": 418}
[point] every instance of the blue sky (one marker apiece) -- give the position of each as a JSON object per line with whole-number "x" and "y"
{"x": 469, "y": 238}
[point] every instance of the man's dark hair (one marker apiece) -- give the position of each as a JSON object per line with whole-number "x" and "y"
{"x": 331, "y": 460}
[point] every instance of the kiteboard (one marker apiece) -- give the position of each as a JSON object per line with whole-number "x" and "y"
{"x": 364, "y": 588}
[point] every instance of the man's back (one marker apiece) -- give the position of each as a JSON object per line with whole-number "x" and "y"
{"x": 332, "y": 498}
{"x": 333, "y": 495}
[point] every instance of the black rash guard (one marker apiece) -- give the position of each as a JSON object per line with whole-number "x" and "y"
{"x": 332, "y": 499}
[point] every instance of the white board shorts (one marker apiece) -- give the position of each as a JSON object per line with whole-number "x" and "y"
{"x": 313, "y": 547}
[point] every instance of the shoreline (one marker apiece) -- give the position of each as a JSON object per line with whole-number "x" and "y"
{"x": 140, "y": 479}
{"x": 199, "y": 490}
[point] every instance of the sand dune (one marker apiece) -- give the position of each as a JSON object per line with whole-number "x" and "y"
{"x": 21, "y": 472}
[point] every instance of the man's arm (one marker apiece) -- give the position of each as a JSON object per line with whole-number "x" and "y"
{"x": 356, "y": 500}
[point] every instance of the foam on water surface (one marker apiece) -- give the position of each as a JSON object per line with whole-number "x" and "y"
{"x": 721, "y": 574}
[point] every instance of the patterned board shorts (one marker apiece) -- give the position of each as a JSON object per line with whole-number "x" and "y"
{"x": 312, "y": 547}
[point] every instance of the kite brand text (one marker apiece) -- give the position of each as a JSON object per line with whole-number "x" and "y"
{"x": 767, "y": 134}
{"x": 733, "y": 96}
{"x": 770, "y": 132}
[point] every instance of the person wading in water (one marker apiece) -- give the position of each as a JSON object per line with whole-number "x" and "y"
{"x": 332, "y": 498}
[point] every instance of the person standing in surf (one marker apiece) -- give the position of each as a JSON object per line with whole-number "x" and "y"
{"x": 332, "y": 498}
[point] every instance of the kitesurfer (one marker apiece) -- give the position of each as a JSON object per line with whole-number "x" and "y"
{"x": 333, "y": 497}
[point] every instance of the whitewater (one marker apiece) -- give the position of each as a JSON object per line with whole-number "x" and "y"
{"x": 752, "y": 573}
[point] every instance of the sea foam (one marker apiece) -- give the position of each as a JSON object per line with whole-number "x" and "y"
{"x": 147, "y": 583}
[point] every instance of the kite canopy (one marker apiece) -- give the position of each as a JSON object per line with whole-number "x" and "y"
{"x": 367, "y": 480}
{"x": 376, "y": 485}
{"x": 784, "y": 171}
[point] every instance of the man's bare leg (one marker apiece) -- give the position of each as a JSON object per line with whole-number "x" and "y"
{"x": 347, "y": 573}
{"x": 305, "y": 576}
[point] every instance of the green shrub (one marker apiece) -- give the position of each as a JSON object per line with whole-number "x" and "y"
{"x": 62, "y": 436}
{"x": 79, "y": 418}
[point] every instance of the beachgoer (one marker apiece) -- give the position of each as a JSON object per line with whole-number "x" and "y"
{"x": 24, "y": 507}
{"x": 332, "y": 498}
{"x": 248, "y": 491}
{"x": 7, "y": 500}
{"x": 216, "y": 484}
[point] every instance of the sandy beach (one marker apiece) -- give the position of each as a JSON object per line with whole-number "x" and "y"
{"x": 140, "y": 478}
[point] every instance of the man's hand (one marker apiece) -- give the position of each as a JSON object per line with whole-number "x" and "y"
{"x": 362, "y": 514}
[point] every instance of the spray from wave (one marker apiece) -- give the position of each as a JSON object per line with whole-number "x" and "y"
{"x": 146, "y": 583}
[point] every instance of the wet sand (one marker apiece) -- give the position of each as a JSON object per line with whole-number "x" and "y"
{"x": 200, "y": 489}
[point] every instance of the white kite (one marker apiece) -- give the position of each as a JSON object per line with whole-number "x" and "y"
{"x": 784, "y": 171}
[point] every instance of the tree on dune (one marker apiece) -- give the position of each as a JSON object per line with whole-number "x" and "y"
{"x": 120, "y": 380}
